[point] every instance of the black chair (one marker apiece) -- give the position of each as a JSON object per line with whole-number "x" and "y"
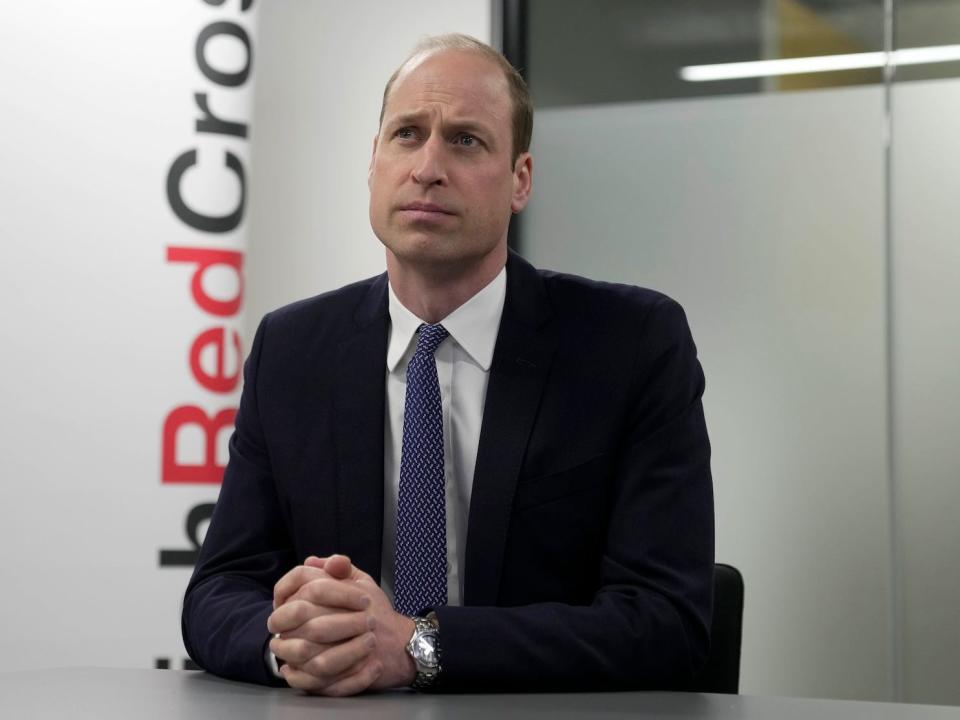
{"x": 721, "y": 674}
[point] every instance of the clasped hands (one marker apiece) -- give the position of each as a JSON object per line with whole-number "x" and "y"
{"x": 337, "y": 631}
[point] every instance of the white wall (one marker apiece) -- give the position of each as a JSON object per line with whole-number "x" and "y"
{"x": 97, "y": 102}
{"x": 320, "y": 79}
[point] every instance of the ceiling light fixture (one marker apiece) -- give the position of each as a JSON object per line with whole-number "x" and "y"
{"x": 821, "y": 63}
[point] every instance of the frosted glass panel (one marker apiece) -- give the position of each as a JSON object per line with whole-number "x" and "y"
{"x": 926, "y": 294}
{"x": 764, "y": 216}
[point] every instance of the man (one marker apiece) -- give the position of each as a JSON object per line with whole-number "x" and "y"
{"x": 466, "y": 474}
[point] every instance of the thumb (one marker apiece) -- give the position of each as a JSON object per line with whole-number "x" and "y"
{"x": 340, "y": 567}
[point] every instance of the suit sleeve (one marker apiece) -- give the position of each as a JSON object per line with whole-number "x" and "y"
{"x": 245, "y": 552}
{"x": 647, "y": 625}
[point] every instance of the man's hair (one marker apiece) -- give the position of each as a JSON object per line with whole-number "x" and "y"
{"x": 522, "y": 118}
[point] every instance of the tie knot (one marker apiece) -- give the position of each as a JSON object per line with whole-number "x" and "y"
{"x": 430, "y": 337}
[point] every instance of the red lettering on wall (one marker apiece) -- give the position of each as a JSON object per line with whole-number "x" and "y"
{"x": 215, "y": 338}
{"x": 208, "y": 471}
{"x": 206, "y": 258}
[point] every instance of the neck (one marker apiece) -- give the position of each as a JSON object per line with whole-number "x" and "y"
{"x": 432, "y": 293}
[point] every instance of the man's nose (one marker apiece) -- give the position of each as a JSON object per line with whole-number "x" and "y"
{"x": 430, "y": 165}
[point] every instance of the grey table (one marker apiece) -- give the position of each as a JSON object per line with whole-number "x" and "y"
{"x": 110, "y": 694}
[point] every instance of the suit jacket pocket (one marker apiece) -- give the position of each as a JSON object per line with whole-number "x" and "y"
{"x": 587, "y": 475}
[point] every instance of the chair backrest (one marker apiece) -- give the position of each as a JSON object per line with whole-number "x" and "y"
{"x": 721, "y": 674}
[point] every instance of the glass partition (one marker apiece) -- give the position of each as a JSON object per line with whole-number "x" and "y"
{"x": 786, "y": 170}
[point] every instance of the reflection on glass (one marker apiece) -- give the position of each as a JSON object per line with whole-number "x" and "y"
{"x": 622, "y": 51}
{"x": 922, "y": 23}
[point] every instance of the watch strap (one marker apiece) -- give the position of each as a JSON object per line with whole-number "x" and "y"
{"x": 426, "y": 677}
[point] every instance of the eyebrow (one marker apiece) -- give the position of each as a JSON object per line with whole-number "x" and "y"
{"x": 466, "y": 125}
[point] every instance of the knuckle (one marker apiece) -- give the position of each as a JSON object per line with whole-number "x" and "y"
{"x": 317, "y": 628}
{"x": 314, "y": 630}
{"x": 279, "y": 621}
{"x": 319, "y": 666}
{"x": 315, "y": 589}
{"x": 301, "y": 611}
{"x": 287, "y": 617}
{"x": 296, "y": 651}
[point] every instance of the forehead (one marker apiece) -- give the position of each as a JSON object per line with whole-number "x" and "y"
{"x": 461, "y": 84}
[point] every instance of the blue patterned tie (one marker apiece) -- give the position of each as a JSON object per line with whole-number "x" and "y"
{"x": 421, "y": 570}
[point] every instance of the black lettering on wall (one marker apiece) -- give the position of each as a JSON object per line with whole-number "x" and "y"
{"x": 227, "y": 79}
{"x": 162, "y": 663}
{"x": 245, "y": 5}
{"x": 199, "y": 221}
{"x": 188, "y": 558}
{"x": 210, "y": 123}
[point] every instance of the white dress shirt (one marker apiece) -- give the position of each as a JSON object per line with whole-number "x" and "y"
{"x": 463, "y": 368}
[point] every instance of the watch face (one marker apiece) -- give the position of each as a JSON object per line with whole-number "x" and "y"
{"x": 424, "y": 649}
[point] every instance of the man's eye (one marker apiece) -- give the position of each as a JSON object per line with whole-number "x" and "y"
{"x": 467, "y": 140}
{"x": 406, "y": 133}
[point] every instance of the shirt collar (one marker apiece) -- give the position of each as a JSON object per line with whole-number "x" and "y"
{"x": 473, "y": 325}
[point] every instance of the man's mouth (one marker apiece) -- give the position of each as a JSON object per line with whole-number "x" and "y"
{"x": 425, "y": 207}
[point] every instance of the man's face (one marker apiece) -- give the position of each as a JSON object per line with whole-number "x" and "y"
{"x": 442, "y": 181}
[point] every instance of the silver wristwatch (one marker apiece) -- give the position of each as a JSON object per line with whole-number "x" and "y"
{"x": 424, "y": 648}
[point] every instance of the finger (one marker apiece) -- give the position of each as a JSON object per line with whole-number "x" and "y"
{"x": 353, "y": 681}
{"x": 356, "y": 680}
{"x": 297, "y": 678}
{"x": 293, "y": 614}
{"x": 292, "y": 581}
{"x": 330, "y": 665}
{"x": 315, "y": 562}
{"x": 331, "y": 593}
{"x": 333, "y": 628}
{"x": 341, "y": 567}
{"x": 295, "y": 651}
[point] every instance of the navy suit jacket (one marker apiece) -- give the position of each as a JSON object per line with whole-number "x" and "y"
{"x": 589, "y": 557}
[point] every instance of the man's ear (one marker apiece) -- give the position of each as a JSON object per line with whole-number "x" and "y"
{"x": 522, "y": 181}
{"x": 373, "y": 156}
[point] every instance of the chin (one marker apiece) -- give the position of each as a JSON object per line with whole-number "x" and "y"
{"x": 438, "y": 260}
{"x": 443, "y": 252}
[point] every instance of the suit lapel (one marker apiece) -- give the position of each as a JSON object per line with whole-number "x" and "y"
{"x": 521, "y": 362}
{"x": 361, "y": 388}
